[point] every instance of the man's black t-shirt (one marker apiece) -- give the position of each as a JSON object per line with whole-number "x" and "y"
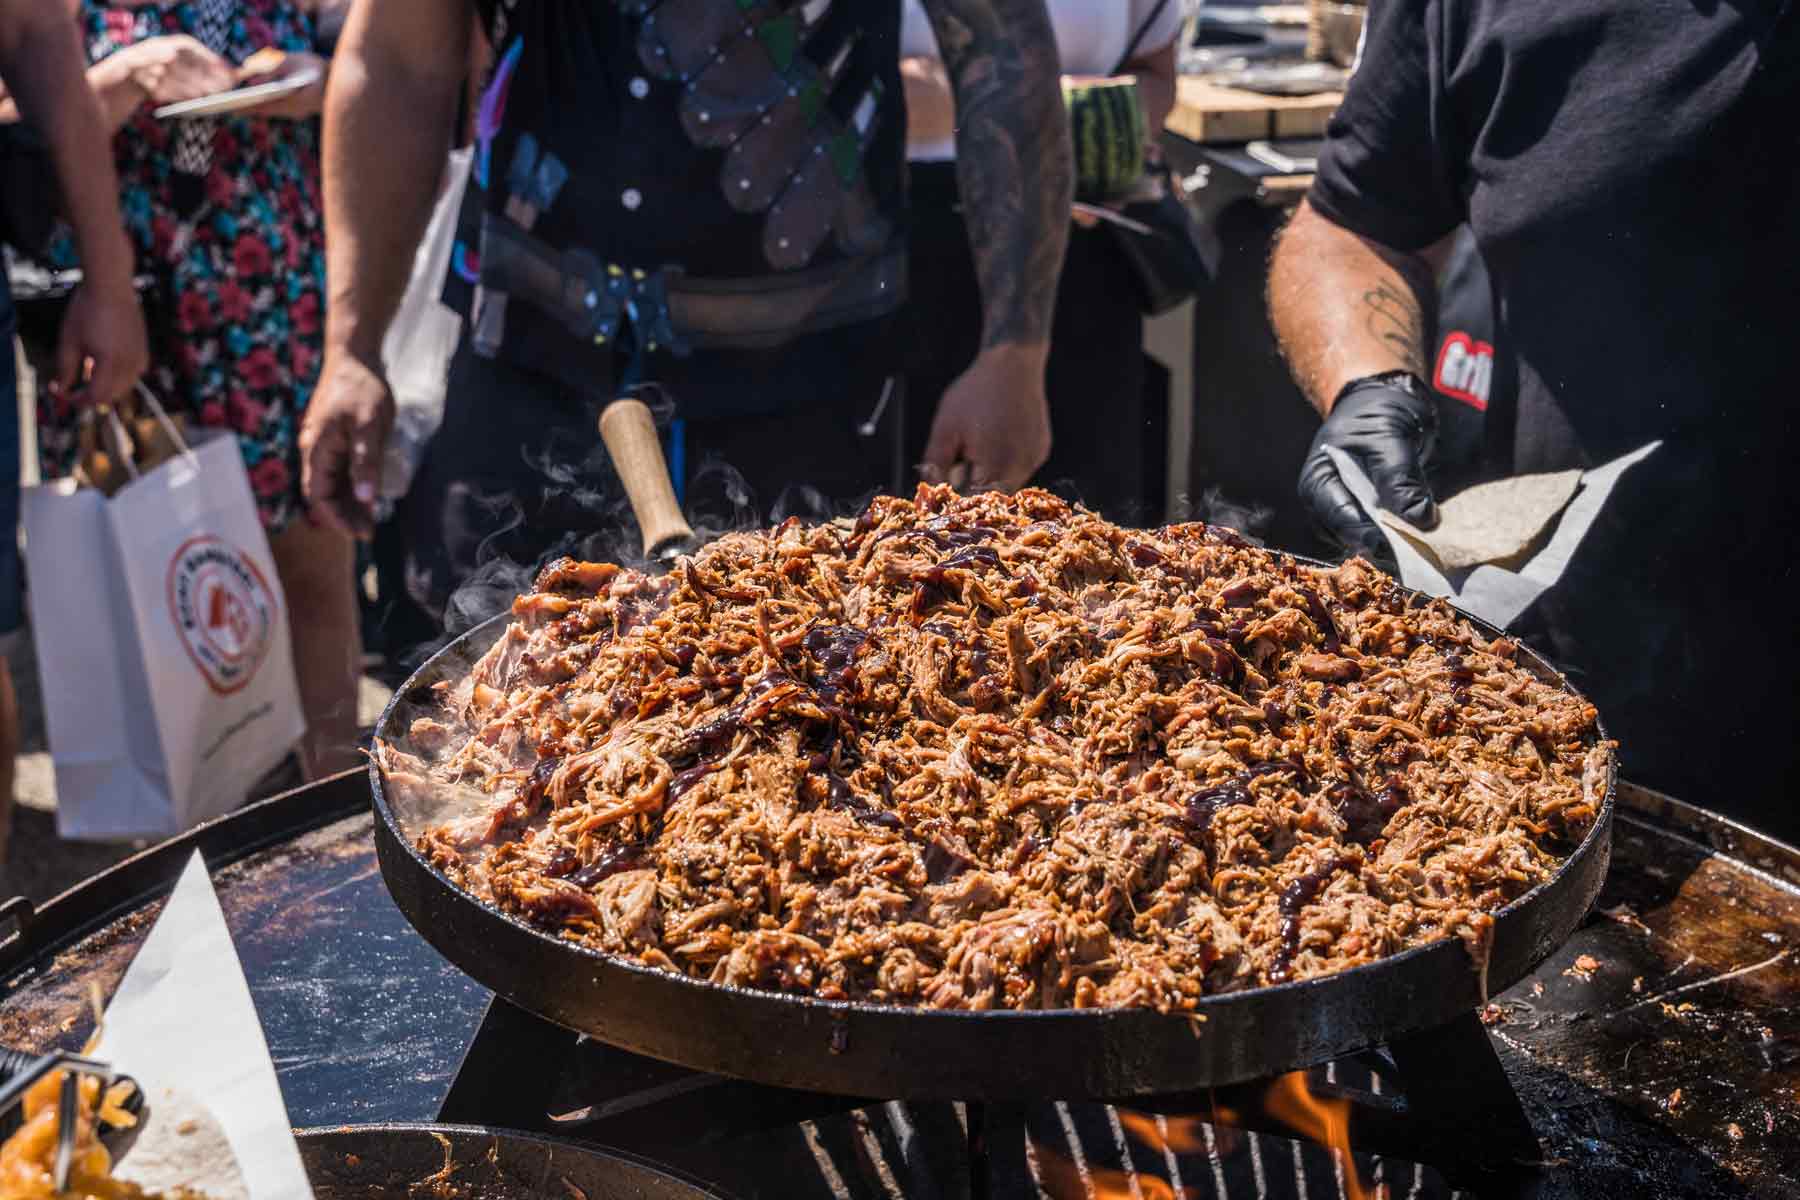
{"x": 1631, "y": 172}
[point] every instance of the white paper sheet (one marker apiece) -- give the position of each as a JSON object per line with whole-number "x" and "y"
{"x": 183, "y": 1018}
{"x": 1493, "y": 593}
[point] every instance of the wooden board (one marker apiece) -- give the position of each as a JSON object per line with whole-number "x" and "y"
{"x": 1283, "y": 189}
{"x": 1210, "y": 112}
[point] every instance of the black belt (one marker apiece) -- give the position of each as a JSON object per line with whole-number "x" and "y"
{"x": 669, "y": 309}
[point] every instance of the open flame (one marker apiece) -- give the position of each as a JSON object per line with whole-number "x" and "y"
{"x": 1184, "y": 1135}
{"x": 1317, "y": 1119}
{"x": 1289, "y": 1102}
{"x": 1063, "y": 1178}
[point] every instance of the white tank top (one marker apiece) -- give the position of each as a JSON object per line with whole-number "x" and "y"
{"x": 1091, "y": 36}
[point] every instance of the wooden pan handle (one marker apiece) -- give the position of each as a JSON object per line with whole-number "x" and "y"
{"x": 630, "y": 436}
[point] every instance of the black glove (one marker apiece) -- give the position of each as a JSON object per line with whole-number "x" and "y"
{"x": 1388, "y": 424}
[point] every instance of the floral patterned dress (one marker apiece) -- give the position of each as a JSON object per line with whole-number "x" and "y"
{"x": 236, "y": 309}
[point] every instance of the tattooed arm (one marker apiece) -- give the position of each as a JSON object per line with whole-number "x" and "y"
{"x": 1345, "y": 307}
{"x": 1349, "y": 309}
{"x": 1014, "y": 166}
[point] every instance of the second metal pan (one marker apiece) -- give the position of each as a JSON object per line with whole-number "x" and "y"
{"x": 398, "y": 1162}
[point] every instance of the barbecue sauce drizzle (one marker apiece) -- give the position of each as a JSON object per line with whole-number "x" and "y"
{"x": 612, "y": 861}
{"x": 1322, "y": 618}
{"x": 1198, "y": 813}
{"x": 1294, "y": 899}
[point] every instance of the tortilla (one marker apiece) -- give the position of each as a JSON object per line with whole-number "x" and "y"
{"x": 1494, "y": 522}
{"x": 179, "y": 1148}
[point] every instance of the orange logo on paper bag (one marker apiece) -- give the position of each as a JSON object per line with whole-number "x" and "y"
{"x": 223, "y": 609}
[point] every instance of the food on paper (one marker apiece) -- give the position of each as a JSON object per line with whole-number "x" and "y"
{"x": 28, "y": 1157}
{"x": 181, "y": 1149}
{"x": 176, "y": 1152}
{"x": 995, "y": 752}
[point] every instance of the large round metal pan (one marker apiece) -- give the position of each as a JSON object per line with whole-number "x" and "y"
{"x": 893, "y": 1052}
{"x": 399, "y": 1162}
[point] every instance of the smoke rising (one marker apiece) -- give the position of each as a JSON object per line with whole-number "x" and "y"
{"x": 1215, "y": 508}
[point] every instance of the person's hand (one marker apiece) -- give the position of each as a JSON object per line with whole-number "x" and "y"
{"x": 1390, "y": 431}
{"x": 102, "y": 344}
{"x": 342, "y": 436}
{"x": 993, "y": 424}
{"x": 177, "y": 67}
{"x": 294, "y": 105}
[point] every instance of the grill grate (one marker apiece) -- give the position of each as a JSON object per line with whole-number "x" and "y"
{"x": 521, "y": 1072}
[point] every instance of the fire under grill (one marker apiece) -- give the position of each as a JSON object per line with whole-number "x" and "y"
{"x": 1400, "y": 1108}
{"x": 1656, "y": 1054}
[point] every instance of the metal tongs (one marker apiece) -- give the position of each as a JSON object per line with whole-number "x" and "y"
{"x": 20, "y": 1069}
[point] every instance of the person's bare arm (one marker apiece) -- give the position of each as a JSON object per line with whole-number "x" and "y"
{"x": 115, "y": 84}
{"x": 164, "y": 70}
{"x": 388, "y": 114}
{"x": 1345, "y": 307}
{"x": 103, "y": 331}
{"x": 158, "y": 70}
{"x": 1014, "y": 166}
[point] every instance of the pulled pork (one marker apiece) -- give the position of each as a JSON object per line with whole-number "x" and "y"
{"x": 994, "y": 752}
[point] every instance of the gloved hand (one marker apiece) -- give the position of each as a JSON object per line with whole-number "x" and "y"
{"x": 1388, "y": 424}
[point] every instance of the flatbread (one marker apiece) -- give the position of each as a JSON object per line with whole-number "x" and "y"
{"x": 179, "y": 1147}
{"x": 1494, "y": 522}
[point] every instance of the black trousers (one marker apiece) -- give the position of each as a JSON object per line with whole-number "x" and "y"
{"x": 517, "y": 474}
{"x": 1095, "y": 380}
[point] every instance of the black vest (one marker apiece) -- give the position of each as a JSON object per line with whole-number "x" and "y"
{"x": 689, "y": 175}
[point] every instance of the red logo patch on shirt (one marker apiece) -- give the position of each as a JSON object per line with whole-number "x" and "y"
{"x": 1465, "y": 370}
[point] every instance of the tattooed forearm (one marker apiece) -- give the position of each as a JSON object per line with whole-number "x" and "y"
{"x": 1014, "y": 162}
{"x": 1394, "y": 317}
{"x": 1344, "y": 306}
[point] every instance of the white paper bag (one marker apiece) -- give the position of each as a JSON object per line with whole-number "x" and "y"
{"x": 422, "y": 338}
{"x": 162, "y": 645}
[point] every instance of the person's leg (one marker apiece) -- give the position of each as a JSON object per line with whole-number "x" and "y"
{"x": 1095, "y": 383}
{"x": 939, "y": 330}
{"x": 317, "y": 565}
{"x": 399, "y": 626}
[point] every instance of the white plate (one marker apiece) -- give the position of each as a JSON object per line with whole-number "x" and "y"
{"x": 237, "y": 98}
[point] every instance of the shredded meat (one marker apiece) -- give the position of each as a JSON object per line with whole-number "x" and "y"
{"x": 994, "y": 752}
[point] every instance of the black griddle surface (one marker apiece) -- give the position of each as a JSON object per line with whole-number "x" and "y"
{"x": 1657, "y": 1053}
